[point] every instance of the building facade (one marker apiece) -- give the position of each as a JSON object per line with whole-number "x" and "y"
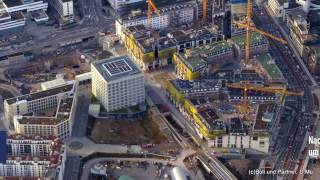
{"x": 33, "y": 157}
{"x": 171, "y": 14}
{"x": 64, "y": 8}
{"x": 46, "y": 113}
{"x": 117, "y": 83}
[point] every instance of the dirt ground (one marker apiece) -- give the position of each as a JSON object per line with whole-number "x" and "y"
{"x": 162, "y": 79}
{"x": 143, "y": 131}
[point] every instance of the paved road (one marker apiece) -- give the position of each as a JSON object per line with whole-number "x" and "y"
{"x": 93, "y": 22}
{"x": 159, "y": 94}
{"x": 290, "y": 144}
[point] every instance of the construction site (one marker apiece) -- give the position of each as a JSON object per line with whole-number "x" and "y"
{"x": 229, "y": 88}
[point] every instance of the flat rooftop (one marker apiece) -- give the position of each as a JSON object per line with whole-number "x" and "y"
{"x": 211, "y": 49}
{"x": 236, "y": 126}
{"x": 255, "y": 39}
{"x": 266, "y": 61}
{"x": 260, "y": 125}
{"x": 62, "y": 114}
{"x": 115, "y": 68}
{"x": 164, "y": 6}
{"x": 13, "y": 3}
{"x": 41, "y": 94}
{"x": 211, "y": 119}
{"x": 186, "y": 86}
{"x": 193, "y": 62}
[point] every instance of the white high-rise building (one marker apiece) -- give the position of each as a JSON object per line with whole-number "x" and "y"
{"x": 117, "y": 83}
{"x": 64, "y": 9}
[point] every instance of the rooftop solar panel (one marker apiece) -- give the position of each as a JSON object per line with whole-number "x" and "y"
{"x": 117, "y": 67}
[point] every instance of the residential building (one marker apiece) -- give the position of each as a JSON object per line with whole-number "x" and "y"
{"x": 258, "y": 44}
{"x": 299, "y": 28}
{"x": 24, "y": 5}
{"x": 239, "y": 137}
{"x": 33, "y": 157}
{"x": 281, "y": 8}
{"x": 171, "y": 14}
{"x": 178, "y": 89}
{"x": 221, "y": 131}
{"x": 11, "y": 22}
{"x": 277, "y": 7}
{"x": 65, "y": 11}
{"x": 314, "y": 59}
{"x": 11, "y": 17}
{"x": 117, "y": 83}
{"x": 118, "y": 4}
{"x": 26, "y": 145}
{"x": 46, "y": 113}
{"x": 189, "y": 65}
{"x": 151, "y": 50}
{"x": 201, "y": 59}
{"x": 267, "y": 67}
{"x": 208, "y": 122}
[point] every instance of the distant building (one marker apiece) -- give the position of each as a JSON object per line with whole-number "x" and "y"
{"x": 65, "y": 11}
{"x": 171, "y": 14}
{"x": 281, "y": 8}
{"x": 24, "y": 5}
{"x": 33, "y": 157}
{"x": 314, "y": 59}
{"x": 11, "y": 17}
{"x": 46, "y": 113}
{"x": 117, "y": 83}
{"x": 117, "y": 4}
{"x": 238, "y": 13}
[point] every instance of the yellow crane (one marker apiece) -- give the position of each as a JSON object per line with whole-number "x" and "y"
{"x": 204, "y": 10}
{"x": 152, "y": 8}
{"x": 248, "y": 27}
{"x": 246, "y": 87}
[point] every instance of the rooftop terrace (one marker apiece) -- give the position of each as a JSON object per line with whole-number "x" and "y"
{"x": 269, "y": 65}
{"x": 255, "y": 39}
{"x": 193, "y": 62}
{"x": 62, "y": 114}
{"x": 212, "y": 49}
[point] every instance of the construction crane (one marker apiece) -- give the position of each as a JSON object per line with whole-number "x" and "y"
{"x": 246, "y": 87}
{"x": 152, "y": 8}
{"x": 204, "y": 10}
{"x": 250, "y": 28}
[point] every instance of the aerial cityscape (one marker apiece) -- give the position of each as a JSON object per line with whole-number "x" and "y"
{"x": 159, "y": 89}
